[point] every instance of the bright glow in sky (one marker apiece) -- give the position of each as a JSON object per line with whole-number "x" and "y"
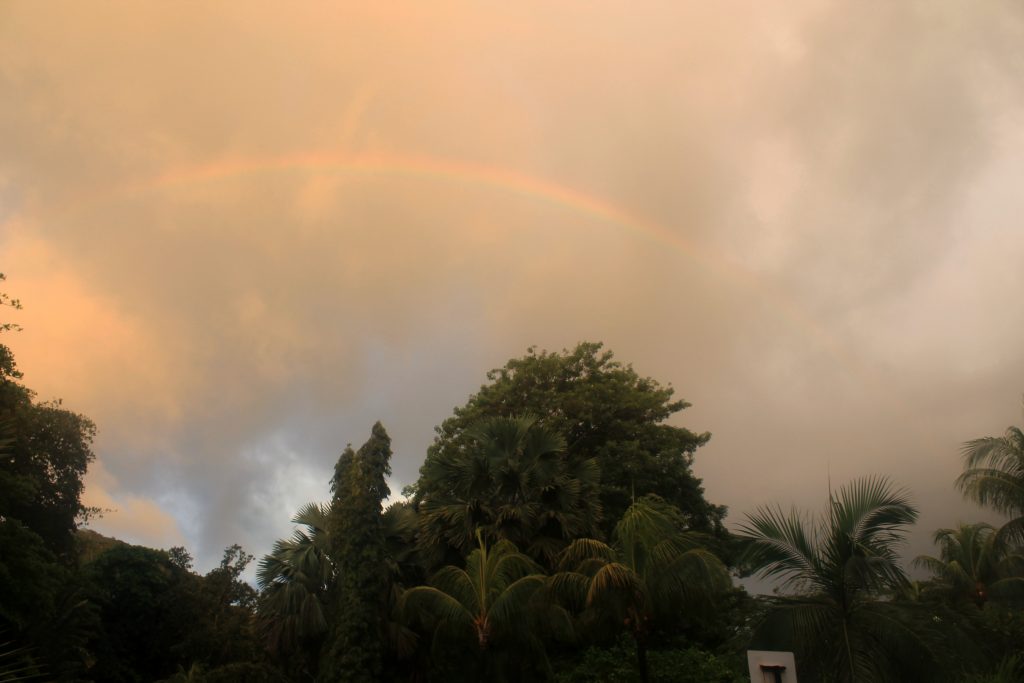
{"x": 243, "y": 233}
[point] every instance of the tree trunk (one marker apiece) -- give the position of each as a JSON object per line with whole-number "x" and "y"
{"x": 641, "y": 659}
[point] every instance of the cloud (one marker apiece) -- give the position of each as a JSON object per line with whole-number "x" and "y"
{"x": 813, "y": 238}
{"x": 126, "y": 516}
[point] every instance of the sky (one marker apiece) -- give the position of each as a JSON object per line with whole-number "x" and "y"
{"x": 242, "y": 232}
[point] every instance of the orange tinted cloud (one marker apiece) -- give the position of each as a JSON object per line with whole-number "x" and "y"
{"x": 799, "y": 215}
{"x": 128, "y": 517}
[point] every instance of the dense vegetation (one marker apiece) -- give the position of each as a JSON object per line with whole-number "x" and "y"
{"x": 557, "y": 532}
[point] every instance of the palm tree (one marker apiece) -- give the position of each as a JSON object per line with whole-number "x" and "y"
{"x": 972, "y": 565}
{"x": 512, "y": 480}
{"x": 839, "y": 570}
{"x": 653, "y": 569}
{"x": 994, "y": 476}
{"x": 293, "y": 581}
{"x": 484, "y": 606}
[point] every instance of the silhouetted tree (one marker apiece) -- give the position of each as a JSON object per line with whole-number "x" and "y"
{"x": 605, "y": 411}
{"x": 359, "y": 604}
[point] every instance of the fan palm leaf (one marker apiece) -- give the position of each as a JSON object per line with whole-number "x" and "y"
{"x": 511, "y": 478}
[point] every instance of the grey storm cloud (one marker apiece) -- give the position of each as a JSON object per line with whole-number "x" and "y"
{"x": 242, "y": 235}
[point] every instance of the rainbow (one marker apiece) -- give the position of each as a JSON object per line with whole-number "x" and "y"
{"x": 505, "y": 180}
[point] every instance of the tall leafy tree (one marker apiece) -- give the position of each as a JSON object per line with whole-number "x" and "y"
{"x": 359, "y": 604}
{"x": 652, "y": 572}
{"x": 605, "y": 411}
{"x": 994, "y": 476}
{"x": 48, "y": 451}
{"x": 510, "y": 479}
{"x": 839, "y": 572}
{"x": 44, "y": 453}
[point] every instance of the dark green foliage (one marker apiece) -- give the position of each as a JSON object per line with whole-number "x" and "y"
{"x": 605, "y": 411}
{"x": 180, "y": 557}
{"x": 974, "y": 566}
{"x": 512, "y": 480}
{"x": 293, "y": 580}
{"x": 653, "y": 575}
{"x": 29, "y": 576}
{"x": 1010, "y": 669}
{"x": 616, "y": 665}
{"x": 30, "y": 580}
{"x": 359, "y": 603}
{"x": 483, "y": 615}
{"x": 46, "y": 455}
{"x": 136, "y": 590}
{"x": 1002, "y": 632}
{"x": 44, "y": 451}
{"x": 157, "y": 617}
{"x": 244, "y": 672}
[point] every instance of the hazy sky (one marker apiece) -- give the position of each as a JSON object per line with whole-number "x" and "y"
{"x": 244, "y": 232}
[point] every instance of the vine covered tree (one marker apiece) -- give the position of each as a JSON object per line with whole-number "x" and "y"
{"x": 296, "y": 578}
{"x": 359, "y": 603}
{"x": 606, "y": 412}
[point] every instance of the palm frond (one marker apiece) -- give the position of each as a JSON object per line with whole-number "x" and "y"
{"x": 584, "y": 549}
{"x": 458, "y": 584}
{"x": 506, "y": 611}
{"x": 613, "y": 578}
{"x": 429, "y": 604}
{"x": 780, "y": 545}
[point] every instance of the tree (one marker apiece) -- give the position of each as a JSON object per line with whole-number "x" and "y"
{"x": 44, "y": 453}
{"x": 972, "y": 566}
{"x": 482, "y": 607}
{"x": 511, "y": 480}
{"x": 839, "y": 570}
{"x": 223, "y": 631}
{"x": 293, "y": 581}
{"x": 42, "y": 474}
{"x": 157, "y": 616}
{"x": 605, "y": 411}
{"x": 143, "y": 616}
{"x": 994, "y": 476}
{"x": 357, "y": 547}
{"x": 8, "y": 369}
{"x": 652, "y": 572}
{"x": 296, "y": 577}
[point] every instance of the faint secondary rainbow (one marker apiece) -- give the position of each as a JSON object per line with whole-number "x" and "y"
{"x": 504, "y": 180}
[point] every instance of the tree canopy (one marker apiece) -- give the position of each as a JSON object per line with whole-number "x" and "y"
{"x": 510, "y": 480}
{"x": 605, "y": 411}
